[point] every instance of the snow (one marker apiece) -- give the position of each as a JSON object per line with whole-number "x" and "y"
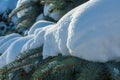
{"x": 5, "y": 42}
{"x": 8, "y": 37}
{"x": 94, "y": 32}
{"x": 6, "y": 45}
{"x": 62, "y": 33}
{"x": 40, "y": 17}
{"x": 50, "y": 47}
{"x": 38, "y": 38}
{"x": 50, "y": 11}
{"x": 38, "y": 31}
{"x": 38, "y": 24}
{"x": 26, "y": 46}
{"x": 47, "y": 8}
{"x": 90, "y": 32}
{"x": 13, "y": 43}
{"x": 13, "y": 50}
{"x": 23, "y": 12}
{"x": 14, "y": 19}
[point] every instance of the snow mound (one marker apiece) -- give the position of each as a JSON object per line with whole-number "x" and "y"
{"x": 38, "y": 39}
{"x": 13, "y": 49}
{"x": 38, "y": 24}
{"x": 13, "y": 44}
{"x": 16, "y": 48}
{"x": 6, "y": 45}
{"x": 90, "y": 32}
{"x": 94, "y": 31}
{"x": 50, "y": 47}
{"x": 3, "y": 39}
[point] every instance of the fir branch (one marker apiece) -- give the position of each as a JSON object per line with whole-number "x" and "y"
{"x": 28, "y": 53}
{"x": 25, "y": 5}
{"x": 18, "y": 63}
{"x": 16, "y": 68}
{"x": 24, "y": 18}
{"x": 55, "y": 66}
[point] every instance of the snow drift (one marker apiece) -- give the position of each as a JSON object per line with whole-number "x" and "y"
{"x": 93, "y": 33}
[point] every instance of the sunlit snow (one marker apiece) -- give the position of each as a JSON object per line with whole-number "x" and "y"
{"x": 90, "y": 32}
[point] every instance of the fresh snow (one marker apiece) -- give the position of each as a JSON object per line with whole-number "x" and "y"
{"x": 16, "y": 44}
{"x": 8, "y": 37}
{"x": 16, "y": 48}
{"x": 50, "y": 47}
{"x": 6, "y": 45}
{"x": 13, "y": 50}
{"x": 14, "y": 19}
{"x": 38, "y": 38}
{"x": 40, "y": 17}
{"x": 38, "y": 24}
{"x": 94, "y": 32}
{"x": 90, "y": 32}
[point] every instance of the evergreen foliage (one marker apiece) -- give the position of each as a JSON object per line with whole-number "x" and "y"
{"x": 29, "y": 65}
{"x": 33, "y": 9}
{"x": 32, "y": 67}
